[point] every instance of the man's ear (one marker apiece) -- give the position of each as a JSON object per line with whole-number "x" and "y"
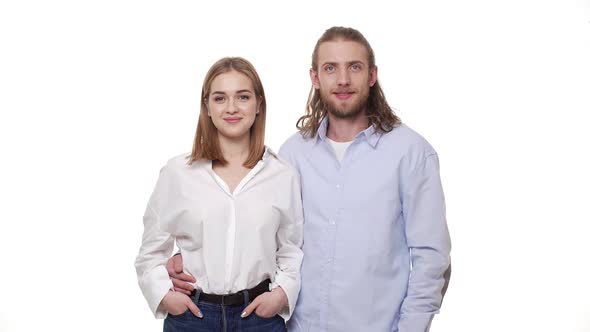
{"x": 313, "y": 75}
{"x": 373, "y": 76}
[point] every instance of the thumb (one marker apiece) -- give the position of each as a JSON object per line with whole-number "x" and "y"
{"x": 250, "y": 308}
{"x": 194, "y": 309}
{"x": 177, "y": 263}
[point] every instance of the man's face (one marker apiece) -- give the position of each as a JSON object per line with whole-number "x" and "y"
{"x": 343, "y": 77}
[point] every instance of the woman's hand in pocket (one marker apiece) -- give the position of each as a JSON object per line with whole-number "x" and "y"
{"x": 176, "y": 303}
{"x": 267, "y": 305}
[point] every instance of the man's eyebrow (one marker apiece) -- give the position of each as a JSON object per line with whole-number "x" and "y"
{"x": 348, "y": 63}
{"x": 354, "y": 62}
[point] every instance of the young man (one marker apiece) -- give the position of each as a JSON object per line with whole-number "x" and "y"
{"x": 376, "y": 243}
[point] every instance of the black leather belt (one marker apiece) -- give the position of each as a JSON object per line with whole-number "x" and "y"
{"x": 238, "y": 298}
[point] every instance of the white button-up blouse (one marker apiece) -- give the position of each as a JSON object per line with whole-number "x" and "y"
{"x": 229, "y": 241}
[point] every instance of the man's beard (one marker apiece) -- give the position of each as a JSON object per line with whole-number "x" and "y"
{"x": 349, "y": 112}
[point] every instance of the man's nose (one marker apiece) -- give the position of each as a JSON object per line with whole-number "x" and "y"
{"x": 343, "y": 77}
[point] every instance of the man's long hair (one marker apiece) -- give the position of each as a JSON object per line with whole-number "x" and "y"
{"x": 378, "y": 111}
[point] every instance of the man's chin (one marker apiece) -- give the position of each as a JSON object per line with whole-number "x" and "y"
{"x": 344, "y": 113}
{"x": 351, "y": 111}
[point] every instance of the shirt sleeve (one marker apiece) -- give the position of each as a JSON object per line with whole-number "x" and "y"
{"x": 289, "y": 254}
{"x": 287, "y": 152}
{"x": 156, "y": 248}
{"x": 429, "y": 243}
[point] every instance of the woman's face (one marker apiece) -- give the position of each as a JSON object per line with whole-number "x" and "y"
{"x": 232, "y": 105}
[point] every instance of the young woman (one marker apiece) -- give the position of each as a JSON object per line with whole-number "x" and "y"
{"x": 234, "y": 211}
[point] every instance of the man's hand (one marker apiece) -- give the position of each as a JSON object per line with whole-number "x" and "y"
{"x": 176, "y": 303}
{"x": 180, "y": 280}
{"x": 268, "y": 304}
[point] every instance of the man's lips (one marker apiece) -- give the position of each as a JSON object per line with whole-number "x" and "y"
{"x": 343, "y": 95}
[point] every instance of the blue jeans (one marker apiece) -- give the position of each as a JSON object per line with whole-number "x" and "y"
{"x": 222, "y": 318}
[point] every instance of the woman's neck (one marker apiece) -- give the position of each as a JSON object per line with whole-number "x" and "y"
{"x": 235, "y": 151}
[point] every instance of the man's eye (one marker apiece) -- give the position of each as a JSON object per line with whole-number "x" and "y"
{"x": 355, "y": 67}
{"x": 329, "y": 68}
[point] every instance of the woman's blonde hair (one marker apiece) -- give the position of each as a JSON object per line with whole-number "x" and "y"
{"x": 206, "y": 143}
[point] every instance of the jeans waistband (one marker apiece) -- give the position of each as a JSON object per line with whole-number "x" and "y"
{"x": 239, "y": 298}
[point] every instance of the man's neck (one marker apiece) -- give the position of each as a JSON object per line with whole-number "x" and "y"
{"x": 345, "y": 130}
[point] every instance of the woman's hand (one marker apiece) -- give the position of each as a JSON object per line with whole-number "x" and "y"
{"x": 268, "y": 305}
{"x": 176, "y": 303}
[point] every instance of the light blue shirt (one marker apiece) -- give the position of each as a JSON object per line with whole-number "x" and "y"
{"x": 376, "y": 243}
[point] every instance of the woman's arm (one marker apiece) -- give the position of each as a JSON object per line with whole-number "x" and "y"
{"x": 290, "y": 240}
{"x": 289, "y": 256}
{"x": 156, "y": 247}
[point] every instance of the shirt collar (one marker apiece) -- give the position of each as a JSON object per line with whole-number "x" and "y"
{"x": 322, "y": 129}
{"x": 266, "y": 156}
{"x": 268, "y": 153}
{"x": 371, "y": 135}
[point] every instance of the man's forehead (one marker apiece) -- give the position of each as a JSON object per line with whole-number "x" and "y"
{"x": 342, "y": 51}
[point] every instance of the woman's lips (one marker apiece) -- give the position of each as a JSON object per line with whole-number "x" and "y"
{"x": 232, "y": 120}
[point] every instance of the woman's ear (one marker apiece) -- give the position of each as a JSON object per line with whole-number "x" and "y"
{"x": 206, "y": 107}
{"x": 259, "y": 104}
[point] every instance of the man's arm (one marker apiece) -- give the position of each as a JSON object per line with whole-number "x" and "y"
{"x": 428, "y": 238}
{"x": 180, "y": 280}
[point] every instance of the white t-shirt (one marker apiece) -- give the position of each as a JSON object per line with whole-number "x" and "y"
{"x": 339, "y": 148}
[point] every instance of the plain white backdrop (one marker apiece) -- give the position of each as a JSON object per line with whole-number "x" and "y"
{"x": 96, "y": 96}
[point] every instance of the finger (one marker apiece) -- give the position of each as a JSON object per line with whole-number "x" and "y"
{"x": 185, "y": 277}
{"x": 181, "y": 276}
{"x": 251, "y": 307}
{"x": 183, "y": 291}
{"x": 170, "y": 266}
{"x": 265, "y": 312}
{"x": 177, "y": 261}
{"x": 194, "y": 309}
{"x": 183, "y": 287}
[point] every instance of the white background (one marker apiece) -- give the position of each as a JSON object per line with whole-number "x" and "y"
{"x": 95, "y": 96}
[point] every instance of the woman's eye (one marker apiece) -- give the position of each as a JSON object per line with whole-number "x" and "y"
{"x": 218, "y": 99}
{"x": 244, "y": 97}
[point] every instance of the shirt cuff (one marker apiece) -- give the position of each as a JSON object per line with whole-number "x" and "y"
{"x": 291, "y": 289}
{"x": 155, "y": 286}
{"x": 415, "y": 322}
